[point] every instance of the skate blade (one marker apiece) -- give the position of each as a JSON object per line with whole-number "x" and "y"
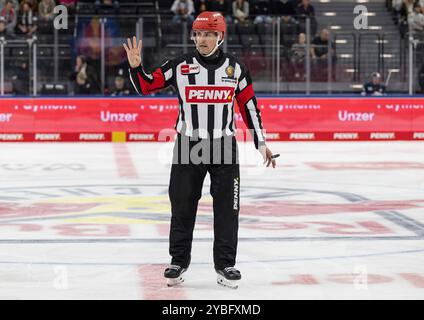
{"x": 232, "y": 284}
{"x": 173, "y": 282}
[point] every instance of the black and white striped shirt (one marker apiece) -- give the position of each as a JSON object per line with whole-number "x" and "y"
{"x": 207, "y": 90}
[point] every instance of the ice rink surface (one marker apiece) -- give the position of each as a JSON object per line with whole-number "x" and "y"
{"x": 334, "y": 220}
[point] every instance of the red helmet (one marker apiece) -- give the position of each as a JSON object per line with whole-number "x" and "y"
{"x": 209, "y": 20}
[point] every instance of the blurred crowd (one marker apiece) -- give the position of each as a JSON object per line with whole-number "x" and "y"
{"x": 245, "y": 11}
{"x": 20, "y": 19}
{"x": 408, "y": 15}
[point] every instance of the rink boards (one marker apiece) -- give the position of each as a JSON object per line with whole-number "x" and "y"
{"x": 153, "y": 119}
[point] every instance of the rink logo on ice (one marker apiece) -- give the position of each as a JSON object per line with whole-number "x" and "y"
{"x": 126, "y": 210}
{"x": 47, "y": 137}
{"x": 382, "y": 136}
{"x": 209, "y": 94}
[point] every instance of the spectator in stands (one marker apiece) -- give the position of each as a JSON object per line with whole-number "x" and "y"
{"x": 222, "y": 6}
{"x": 46, "y": 15}
{"x": 20, "y": 79}
{"x": 110, "y": 6}
{"x": 9, "y": 18}
{"x": 319, "y": 53}
{"x": 298, "y": 49}
{"x": 406, "y": 9}
{"x": 319, "y": 48}
{"x": 34, "y": 5}
{"x": 15, "y": 4}
{"x": 396, "y": 7}
{"x": 240, "y": 11}
{"x": 416, "y": 19}
{"x": 120, "y": 89}
{"x": 84, "y": 77}
{"x": 200, "y": 6}
{"x": 297, "y": 57}
{"x": 306, "y": 10}
{"x": 183, "y": 10}
{"x": 289, "y": 25}
{"x": 374, "y": 87}
{"x": 2, "y": 26}
{"x": 289, "y": 30}
{"x": 283, "y": 8}
{"x": 46, "y": 10}
{"x": 26, "y": 20}
{"x": 262, "y": 10}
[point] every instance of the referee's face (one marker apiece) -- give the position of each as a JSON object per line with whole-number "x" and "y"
{"x": 206, "y": 41}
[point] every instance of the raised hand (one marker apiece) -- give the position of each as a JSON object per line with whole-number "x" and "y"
{"x": 133, "y": 52}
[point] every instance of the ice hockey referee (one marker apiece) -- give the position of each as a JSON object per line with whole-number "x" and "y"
{"x": 207, "y": 82}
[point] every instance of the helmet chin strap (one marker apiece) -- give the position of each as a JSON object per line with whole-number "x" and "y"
{"x": 218, "y": 43}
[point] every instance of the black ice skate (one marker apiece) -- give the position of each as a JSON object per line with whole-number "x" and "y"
{"x": 173, "y": 275}
{"x": 228, "y": 277}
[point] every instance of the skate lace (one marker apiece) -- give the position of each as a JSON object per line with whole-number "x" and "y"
{"x": 230, "y": 269}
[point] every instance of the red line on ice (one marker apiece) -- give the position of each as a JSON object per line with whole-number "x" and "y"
{"x": 153, "y": 284}
{"x": 124, "y": 162}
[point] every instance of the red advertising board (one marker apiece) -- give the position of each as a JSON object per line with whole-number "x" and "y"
{"x": 143, "y": 119}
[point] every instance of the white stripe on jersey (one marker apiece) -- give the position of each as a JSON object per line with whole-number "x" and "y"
{"x": 243, "y": 84}
{"x": 168, "y": 74}
{"x": 252, "y": 111}
{"x": 147, "y": 75}
{"x": 202, "y": 108}
{"x": 186, "y": 108}
{"x": 237, "y": 74}
{"x": 219, "y": 108}
{"x": 180, "y": 122}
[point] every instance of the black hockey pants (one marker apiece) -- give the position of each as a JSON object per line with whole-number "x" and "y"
{"x": 192, "y": 160}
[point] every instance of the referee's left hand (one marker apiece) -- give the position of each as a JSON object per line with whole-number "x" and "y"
{"x": 267, "y": 154}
